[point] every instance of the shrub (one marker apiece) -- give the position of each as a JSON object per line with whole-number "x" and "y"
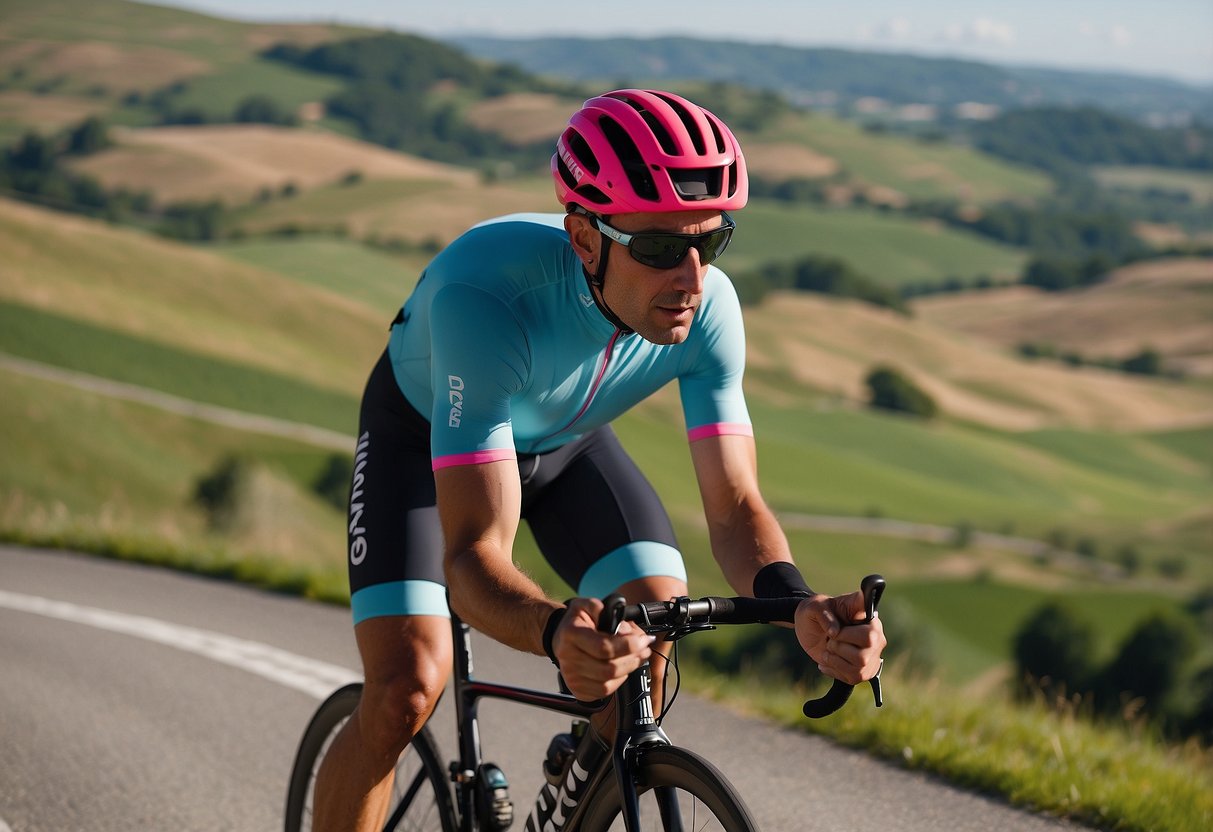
{"x": 1148, "y": 665}
{"x": 333, "y": 483}
{"x": 1052, "y": 652}
{"x": 890, "y": 390}
{"x": 223, "y": 493}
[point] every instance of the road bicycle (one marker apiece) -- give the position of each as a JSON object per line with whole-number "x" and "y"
{"x": 644, "y": 783}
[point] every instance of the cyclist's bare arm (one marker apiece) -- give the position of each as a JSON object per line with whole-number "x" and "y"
{"x": 746, "y": 536}
{"x": 479, "y": 507}
{"x": 744, "y": 533}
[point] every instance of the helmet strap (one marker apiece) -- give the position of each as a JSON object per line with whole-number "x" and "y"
{"x": 596, "y": 282}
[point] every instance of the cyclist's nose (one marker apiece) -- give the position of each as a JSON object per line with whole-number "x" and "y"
{"x": 688, "y": 275}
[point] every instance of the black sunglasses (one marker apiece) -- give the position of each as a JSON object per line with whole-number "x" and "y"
{"x": 666, "y": 249}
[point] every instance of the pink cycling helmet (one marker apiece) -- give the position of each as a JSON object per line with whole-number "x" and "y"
{"x": 646, "y": 150}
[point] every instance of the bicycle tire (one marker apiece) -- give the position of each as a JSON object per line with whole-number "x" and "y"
{"x": 707, "y": 801}
{"x": 420, "y": 775}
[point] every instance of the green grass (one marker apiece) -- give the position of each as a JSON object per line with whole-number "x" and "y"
{"x": 220, "y": 92}
{"x": 858, "y": 463}
{"x": 211, "y": 39}
{"x": 1197, "y": 184}
{"x": 84, "y": 347}
{"x": 917, "y": 169}
{"x": 378, "y": 279}
{"x": 1143, "y": 460}
{"x": 1108, "y": 776}
{"x": 885, "y": 247}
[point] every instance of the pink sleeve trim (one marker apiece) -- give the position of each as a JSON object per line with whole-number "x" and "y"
{"x": 720, "y": 429}
{"x": 474, "y": 458}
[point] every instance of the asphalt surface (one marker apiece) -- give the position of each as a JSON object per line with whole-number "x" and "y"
{"x": 136, "y": 698}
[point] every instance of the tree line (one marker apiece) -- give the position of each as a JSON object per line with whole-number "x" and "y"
{"x": 1056, "y": 138}
{"x": 390, "y": 95}
{"x": 1154, "y": 673}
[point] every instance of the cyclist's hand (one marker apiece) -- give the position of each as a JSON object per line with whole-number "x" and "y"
{"x": 850, "y": 653}
{"x": 594, "y": 664}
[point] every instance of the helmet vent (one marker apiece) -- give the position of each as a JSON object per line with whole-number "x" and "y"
{"x": 688, "y": 122}
{"x": 720, "y": 143}
{"x": 634, "y": 165}
{"x": 592, "y": 194}
{"x": 581, "y": 150}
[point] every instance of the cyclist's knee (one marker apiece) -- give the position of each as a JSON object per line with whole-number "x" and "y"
{"x": 395, "y": 706}
{"x": 407, "y": 661}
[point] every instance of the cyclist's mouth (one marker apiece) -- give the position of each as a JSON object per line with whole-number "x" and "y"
{"x": 678, "y": 312}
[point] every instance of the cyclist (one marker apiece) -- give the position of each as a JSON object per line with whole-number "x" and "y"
{"x": 523, "y": 339}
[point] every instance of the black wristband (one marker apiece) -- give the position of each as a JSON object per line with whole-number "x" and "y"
{"x": 549, "y": 632}
{"x": 781, "y": 580}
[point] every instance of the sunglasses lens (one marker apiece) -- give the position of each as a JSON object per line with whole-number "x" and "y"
{"x": 713, "y": 245}
{"x": 659, "y": 251}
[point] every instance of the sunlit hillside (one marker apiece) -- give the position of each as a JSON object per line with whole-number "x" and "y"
{"x": 1166, "y": 305}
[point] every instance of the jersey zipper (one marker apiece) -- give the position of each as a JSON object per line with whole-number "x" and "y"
{"x": 606, "y": 360}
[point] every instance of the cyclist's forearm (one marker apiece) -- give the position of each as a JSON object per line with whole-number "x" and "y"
{"x": 492, "y": 595}
{"x": 745, "y": 540}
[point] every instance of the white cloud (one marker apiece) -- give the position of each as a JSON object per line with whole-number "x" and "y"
{"x": 1117, "y": 34}
{"x": 980, "y": 30}
{"x": 897, "y": 28}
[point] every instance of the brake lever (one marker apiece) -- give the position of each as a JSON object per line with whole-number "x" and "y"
{"x": 872, "y": 588}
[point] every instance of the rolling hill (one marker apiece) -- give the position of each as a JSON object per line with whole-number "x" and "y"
{"x": 1166, "y": 305}
{"x": 235, "y": 162}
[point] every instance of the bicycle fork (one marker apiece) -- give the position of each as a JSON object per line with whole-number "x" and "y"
{"x": 637, "y": 729}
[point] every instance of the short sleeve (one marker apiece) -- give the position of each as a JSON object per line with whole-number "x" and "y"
{"x": 480, "y": 358}
{"x": 713, "y": 401}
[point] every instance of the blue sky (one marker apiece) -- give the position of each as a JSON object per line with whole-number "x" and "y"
{"x": 1171, "y": 38}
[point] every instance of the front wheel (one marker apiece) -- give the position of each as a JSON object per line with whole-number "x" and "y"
{"x": 421, "y": 794}
{"x": 679, "y": 791}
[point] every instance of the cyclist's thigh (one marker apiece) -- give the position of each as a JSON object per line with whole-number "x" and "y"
{"x": 597, "y": 519}
{"x": 394, "y": 534}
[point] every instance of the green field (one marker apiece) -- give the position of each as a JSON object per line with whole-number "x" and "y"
{"x": 919, "y": 170}
{"x": 887, "y": 248}
{"x": 377, "y": 279}
{"x": 1197, "y": 185}
{"x": 77, "y": 345}
{"x": 219, "y": 93}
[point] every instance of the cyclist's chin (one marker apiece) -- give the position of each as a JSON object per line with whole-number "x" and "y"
{"x": 668, "y": 325}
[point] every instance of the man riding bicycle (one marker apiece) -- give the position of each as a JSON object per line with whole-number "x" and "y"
{"x": 522, "y": 341}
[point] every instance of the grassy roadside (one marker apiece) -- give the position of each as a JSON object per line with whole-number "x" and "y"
{"x": 1117, "y": 777}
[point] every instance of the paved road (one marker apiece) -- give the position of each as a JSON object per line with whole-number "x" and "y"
{"x": 135, "y": 698}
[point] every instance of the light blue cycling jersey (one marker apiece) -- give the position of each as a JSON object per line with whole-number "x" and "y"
{"x": 503, "y": 348}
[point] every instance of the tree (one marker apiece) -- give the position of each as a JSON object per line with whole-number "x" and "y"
{"x": 890, "y": 390}
{"x": 90, "y": 136}
{"x": 261, "y": 109}
{"x": 1052, "y": 652}
{"x": 333, "y": 484}
{"x": 223, "y": 493}
{"x": 1149, "y": 663}
{"x": 1147, "y": 363}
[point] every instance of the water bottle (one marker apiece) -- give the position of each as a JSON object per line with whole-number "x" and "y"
{"x": 571, "y": 762}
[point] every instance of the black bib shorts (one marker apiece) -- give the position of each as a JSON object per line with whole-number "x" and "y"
{"x": 597, "y": 520}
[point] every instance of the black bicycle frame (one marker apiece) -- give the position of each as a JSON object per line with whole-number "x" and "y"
{"x": 636, "y": 727}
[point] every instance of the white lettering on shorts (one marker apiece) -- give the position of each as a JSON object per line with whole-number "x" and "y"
{"x": 455, "y": 396}
{"x": 357, "y": 530}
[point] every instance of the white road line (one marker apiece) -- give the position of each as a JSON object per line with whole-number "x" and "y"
{"x": 291, "y": 670}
